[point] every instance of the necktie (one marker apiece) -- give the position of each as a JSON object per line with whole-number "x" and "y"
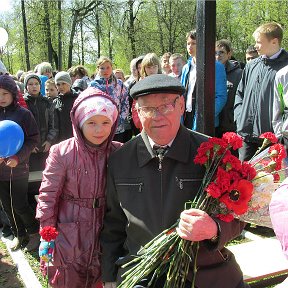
{"x": 160, "y": 151}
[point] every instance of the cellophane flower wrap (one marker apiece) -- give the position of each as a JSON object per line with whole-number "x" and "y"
{"x": 226, "y": 192}
{"x": 271, "y": 171}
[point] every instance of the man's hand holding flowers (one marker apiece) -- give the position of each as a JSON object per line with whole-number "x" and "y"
{"x": 196, "y": 225}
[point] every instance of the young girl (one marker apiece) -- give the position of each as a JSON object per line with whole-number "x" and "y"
{"x": 72, "y": 192}
{"x": 106, "y": 81}
{"x": 150, "y": 65}
{"x": 14, "y": 171}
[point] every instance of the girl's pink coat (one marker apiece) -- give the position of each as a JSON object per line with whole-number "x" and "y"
{"x": 75, "y": 170}
{"x": 279, "y": 215}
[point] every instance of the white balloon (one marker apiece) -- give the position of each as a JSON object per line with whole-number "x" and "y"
{"x": 3, "y": 37}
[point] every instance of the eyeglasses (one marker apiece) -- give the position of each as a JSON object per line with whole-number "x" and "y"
{"x": 218, "y": 53}
{"x": 151, "y": 112}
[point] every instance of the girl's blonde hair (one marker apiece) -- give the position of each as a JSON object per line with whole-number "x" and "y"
{"x": 150, "y": 59}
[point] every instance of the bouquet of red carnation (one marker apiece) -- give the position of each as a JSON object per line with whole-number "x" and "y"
{"x": 226, "y": 192}
{"x": 48, "y": 235}
{"x": 270, "y": 167}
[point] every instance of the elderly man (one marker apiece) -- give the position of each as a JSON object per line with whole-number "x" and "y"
{"x": 148, "y": 187}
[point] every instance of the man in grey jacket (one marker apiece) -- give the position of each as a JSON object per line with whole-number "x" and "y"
{"x": 146, "y": 192}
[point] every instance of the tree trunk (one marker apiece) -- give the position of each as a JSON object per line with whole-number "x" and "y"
{"x": 110, "y": 44}
{"x": 98, "y": 33}
{"x": 73, "y": 29}
{"x": 59, "y": 20}
{"x": 82, "y": 43}
{"x": 48, "y": 31}
{"x": 78, "y": 15}
{"x": 25, "y": 35}
{"x": 131, "y": 28}
{"x": 160, "y": 28}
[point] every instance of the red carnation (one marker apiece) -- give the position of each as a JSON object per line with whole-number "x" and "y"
{"x": 269, "y": 136}
{"x": 248, "y": 171}
{"x": 223, "y": 179}
{"x": 234, "y": 140}
{"x": 213, "y": 190}
{"x": 219, "y": 145}
{"x": 232, "y": 162}
{"x": 48, "y": 233}
{"x": 235, "y": 176}
{"x": 277, "y": 151}
{"x": 201, "y": 159}
{"x": 238, "y": 196}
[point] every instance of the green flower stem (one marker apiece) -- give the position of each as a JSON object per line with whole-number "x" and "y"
{"x": 47, "y": 279}
{"x": 265, "y": 143}
{"x": 150, "y": 260}
{"x": 196, "y": 250}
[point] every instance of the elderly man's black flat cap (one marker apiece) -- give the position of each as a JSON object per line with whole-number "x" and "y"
{"x": 158, "y": 83}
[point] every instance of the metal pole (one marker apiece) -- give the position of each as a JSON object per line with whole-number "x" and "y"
{"x": 205, "y": 65}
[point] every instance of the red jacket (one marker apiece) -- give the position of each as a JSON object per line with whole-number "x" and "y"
{"x": 21, "y": 100}
{"x": 72, "y": 198}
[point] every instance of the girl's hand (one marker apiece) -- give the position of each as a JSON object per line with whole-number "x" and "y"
{"x": 1, "y": 160}
{"x": 12, "y": 162}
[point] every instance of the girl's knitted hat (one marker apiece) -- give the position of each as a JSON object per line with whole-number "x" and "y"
{"x": 31, "y": 76}
{"x": 7, "y": 83}
{"x": 95, "y": 106}
{"x": 63, "y": 77}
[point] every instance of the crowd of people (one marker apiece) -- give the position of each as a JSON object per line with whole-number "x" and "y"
{"x": 75, "y": 126}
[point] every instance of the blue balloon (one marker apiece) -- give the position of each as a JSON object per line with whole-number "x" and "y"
{"x": 11, "y": 138}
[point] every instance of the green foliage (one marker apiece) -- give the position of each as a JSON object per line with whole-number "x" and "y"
{"x": 159, "y": 26}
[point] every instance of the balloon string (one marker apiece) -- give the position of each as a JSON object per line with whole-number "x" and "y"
{"x": 11, "y": 199}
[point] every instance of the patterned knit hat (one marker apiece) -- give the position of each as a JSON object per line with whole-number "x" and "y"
{"x": 7, "y": 83}
{"x": 95, "y": 106}
{"x": 63, "y": 76}
{"x": 30, "y": 76}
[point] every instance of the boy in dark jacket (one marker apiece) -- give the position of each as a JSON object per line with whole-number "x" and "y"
{"x": 63, "y": 104}
{"x": 254, "y": 97}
